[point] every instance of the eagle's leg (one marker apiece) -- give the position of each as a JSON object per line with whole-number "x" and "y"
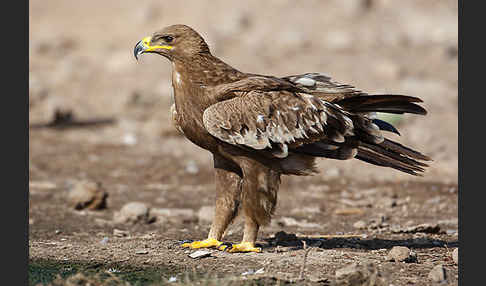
{"x": 228, "y": 191}
{"x": 259, "y": 197}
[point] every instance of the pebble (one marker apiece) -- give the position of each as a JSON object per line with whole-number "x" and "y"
{"x": 361, "y": 274}
{"x": 199, "y": 254}
{"x": 192, "y": 168}
{"x": 359, "y": 224}
{"x": 87, "y": 195}
{"x": 252, "y": 272}
{"x": 132, "y": 212}
{"x": 130, "y": 139}
{"x": 401, "y": 254}
{"x": 141, "y": 251}
{"x": 438, "y": 273}
{"x": 120, "y": 233}
{"x": 455, "y": 255}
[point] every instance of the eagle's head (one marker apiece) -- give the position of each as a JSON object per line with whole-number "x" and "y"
{"x": 172, "y": 42}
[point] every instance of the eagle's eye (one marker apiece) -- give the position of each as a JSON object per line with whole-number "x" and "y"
{"x": 168, "y": 39}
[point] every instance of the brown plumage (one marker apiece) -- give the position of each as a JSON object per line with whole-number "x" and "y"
{"x": 261, "y": 127}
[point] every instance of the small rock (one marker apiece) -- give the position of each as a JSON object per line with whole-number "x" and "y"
{"x": 132, "y": 213}
{"x": 120, "y": 233}
{"x": 103, "y": 222}
{"x": 192, "y": 167}
{"x": 87, "y": 195}
{"x": 438, "y": 273}
{"x": 401, "y": 254}
{"x": 451, "y": 232}
{"x": 359, "y": 224}
{"x": 141, "y": 251}
{"x": 455, "y": 255}
{"x": 130, "y": 139}
{"x": 206, "y": 213}
{"x": 199, "y": 254}
{"x": 260, "y": 271}
{"x": 361, "y": 274}
{"x": 252, "y": 272}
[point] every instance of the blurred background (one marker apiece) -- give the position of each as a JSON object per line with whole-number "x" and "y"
{"x": 81, "y": 61}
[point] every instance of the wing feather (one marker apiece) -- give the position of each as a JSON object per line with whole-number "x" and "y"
{"x": 323, "y": 86}
{"x": 276, "y": 120}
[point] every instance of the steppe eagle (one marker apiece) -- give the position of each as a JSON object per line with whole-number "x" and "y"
{"x": 260, "y": 127}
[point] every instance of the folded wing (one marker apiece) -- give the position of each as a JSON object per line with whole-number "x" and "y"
{"x": 277, "y": 120}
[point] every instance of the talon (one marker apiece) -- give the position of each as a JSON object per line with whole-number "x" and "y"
{"x": 242, "y": 247}
{"x": 207, "y": 243}
{"x": 224, "y": 246}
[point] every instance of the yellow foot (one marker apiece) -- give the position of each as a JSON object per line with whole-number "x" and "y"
{"x": 241, "y": 247}
{"x": 207, "y": 243}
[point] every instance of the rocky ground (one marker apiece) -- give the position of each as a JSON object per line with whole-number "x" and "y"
{"x": 114, "y": 200}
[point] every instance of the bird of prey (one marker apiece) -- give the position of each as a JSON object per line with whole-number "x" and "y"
{"x": 260, "y": 127}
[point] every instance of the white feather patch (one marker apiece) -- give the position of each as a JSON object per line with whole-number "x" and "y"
{"x": 305, "y": 81}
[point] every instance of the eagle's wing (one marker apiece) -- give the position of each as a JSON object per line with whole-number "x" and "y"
{"x": 277, "y": 120}
{"x": 321, "y": 85}
{"x": 313, "y": 115}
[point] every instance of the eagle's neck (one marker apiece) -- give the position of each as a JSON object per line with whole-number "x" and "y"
{"x": 204, "y": 70}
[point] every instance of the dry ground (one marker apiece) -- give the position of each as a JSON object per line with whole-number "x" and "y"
{"x": 81, "y": 60}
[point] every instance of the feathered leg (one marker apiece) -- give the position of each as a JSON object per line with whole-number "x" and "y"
{"x": 259, "y": 197}
{"x": 228, "y": 192}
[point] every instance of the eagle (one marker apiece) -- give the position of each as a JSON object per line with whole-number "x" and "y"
{"x": 260, "y": 127}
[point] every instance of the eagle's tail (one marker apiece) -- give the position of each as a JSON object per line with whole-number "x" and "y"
{"x": 378, "y": 150}
{"x": 368, "y": 143}
{"x": 388, "y": 103}
{"x": 394, "y": 155}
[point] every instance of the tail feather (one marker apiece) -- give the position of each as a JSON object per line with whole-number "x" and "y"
{"x": 389, "y": 103}
{"x": 389, "y": 158}
{"x": 397, "y": 147}
{"x": 381, "y": 160}
{"x": 383, "y": 125}
{"x": 367, "y": 143}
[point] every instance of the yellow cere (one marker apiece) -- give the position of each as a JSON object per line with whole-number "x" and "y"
{"x": 146, "y": 42}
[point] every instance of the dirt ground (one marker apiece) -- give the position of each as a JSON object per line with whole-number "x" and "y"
{"x": 81, "y": 61}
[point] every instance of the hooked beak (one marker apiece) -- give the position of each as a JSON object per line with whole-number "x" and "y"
{"x": 144, "y": 46}
{"x": 139, "y": 49}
